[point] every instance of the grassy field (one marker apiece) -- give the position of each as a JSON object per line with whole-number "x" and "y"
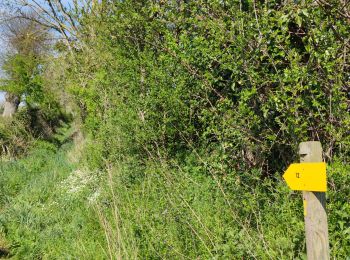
{"x": 53, "y": 209}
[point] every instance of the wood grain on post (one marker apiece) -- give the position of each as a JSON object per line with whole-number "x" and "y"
{"x": 316, "y": 226}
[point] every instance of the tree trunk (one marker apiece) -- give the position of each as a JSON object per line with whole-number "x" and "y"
{"x": 11, "y": 105}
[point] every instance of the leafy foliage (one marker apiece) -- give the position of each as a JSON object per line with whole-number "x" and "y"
{"x": 191, "y": 109}
{"x": 242, "y": 86}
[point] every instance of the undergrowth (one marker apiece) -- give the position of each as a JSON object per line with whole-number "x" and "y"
{"x": 167, "y": 211}
{"x": 191, "y": 111}
{"x": 52, "y": 208}
{"x": 41, "y": 217}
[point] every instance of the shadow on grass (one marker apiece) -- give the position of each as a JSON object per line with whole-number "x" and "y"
{"x": 4, "y": 253}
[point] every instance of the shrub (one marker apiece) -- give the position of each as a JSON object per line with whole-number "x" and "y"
{"x": 15, "y": 138}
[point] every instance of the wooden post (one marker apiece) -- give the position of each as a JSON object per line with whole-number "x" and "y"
{"x": 316, "y": 227}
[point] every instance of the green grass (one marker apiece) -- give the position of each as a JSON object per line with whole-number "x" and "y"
{"x": 164, "y": 211}
{"x": 39, "y": 217}
{"x": 51, "y": 208}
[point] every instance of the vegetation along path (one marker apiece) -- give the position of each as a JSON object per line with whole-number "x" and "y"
{"x": 43, "y": 214}
{"x": 160, "y": 129}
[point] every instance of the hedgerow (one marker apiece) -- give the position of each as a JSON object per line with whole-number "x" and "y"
{"x": 191, "y": 111}
{"x": 224, "y": 89}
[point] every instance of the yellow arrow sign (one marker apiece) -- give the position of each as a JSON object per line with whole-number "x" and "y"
{"x": 306, "y": 176}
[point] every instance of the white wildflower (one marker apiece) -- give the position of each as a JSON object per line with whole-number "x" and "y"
{"x": 78, "y": 180}
{"x": 94, "y": 196}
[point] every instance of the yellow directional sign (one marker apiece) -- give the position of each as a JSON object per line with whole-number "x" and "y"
{"x": 306, "y": 176}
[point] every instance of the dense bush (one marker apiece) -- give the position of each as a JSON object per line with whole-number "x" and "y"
{"x": 15, "y": 139}
{"x": 243, "y": 84}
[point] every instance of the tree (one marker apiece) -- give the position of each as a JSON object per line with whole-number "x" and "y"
{"x": 27, "y": 41}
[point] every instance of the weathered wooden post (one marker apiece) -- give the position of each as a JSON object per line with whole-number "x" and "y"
{"x": 316, "y": 227}
{"x": 310, "y": 177}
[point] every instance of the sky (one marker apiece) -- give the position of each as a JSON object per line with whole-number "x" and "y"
{"x": 2, "y": 97}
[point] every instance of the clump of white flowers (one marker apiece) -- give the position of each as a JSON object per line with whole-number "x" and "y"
{"x": 94, "y": 197}
{"x": 82, "y": 180}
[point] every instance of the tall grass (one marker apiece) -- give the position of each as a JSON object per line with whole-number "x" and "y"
{"x": 160, "y": 211}
{"x": 41, "y": 217}
{"x": 52, "y": 208}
